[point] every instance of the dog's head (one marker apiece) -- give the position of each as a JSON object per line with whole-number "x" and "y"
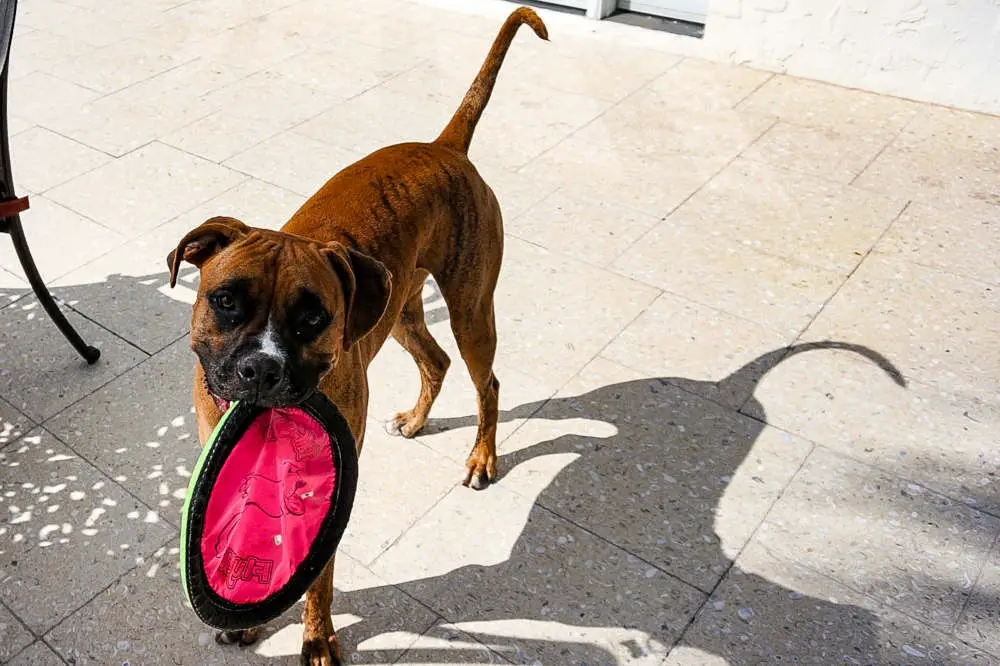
{"x": 275, "y": 311}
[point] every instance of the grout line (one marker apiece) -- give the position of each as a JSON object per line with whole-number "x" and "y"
{"x": 888, "y": 144}
{"x": 17, "y": 618}
{"x": 600, "y": 115}
{"x": 963, "y": 611}
{"x": 107, "y": 587}
{"x": 767, "y": 79}
{"x": 44, "y": 422}
{"x": 851, "y": 273}
{"x": 749, "y": 540}
{"x": 690, "y": 196}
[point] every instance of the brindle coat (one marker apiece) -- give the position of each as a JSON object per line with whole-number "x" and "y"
{"x": 280, "y": 313}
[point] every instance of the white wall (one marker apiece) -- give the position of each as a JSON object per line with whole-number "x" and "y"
{"x": 943, "y": 51}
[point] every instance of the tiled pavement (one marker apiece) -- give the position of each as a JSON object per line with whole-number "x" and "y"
{"x": 676, "y": 488}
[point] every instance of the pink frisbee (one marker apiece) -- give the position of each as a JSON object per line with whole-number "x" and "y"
{"x": 267, "y": 505}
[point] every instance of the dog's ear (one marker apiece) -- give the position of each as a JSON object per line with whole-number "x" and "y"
{"x": 367, "y": 286}
{"x": 201, "y": 243}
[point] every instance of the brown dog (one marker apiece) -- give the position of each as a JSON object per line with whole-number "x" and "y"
{"x": 282, "y": 313}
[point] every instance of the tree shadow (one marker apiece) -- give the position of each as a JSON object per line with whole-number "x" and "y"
{"x": 653, "y": 487}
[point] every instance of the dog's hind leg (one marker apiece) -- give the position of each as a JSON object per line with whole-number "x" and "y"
{"x": 411, "y": 332}
{"x": 470, "y": 308}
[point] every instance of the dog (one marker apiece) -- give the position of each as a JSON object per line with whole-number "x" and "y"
{"x": 280, "y": 314}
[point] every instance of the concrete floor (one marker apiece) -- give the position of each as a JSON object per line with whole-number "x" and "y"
{"x": 676, "y": 487}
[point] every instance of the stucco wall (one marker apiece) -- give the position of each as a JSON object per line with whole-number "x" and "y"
{"x": 943, "y": 51}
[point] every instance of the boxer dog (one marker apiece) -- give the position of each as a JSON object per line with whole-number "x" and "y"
{"x": 280, "y": 314}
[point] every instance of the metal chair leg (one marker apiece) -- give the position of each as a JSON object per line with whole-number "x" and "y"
{"x": 89, "y": 353}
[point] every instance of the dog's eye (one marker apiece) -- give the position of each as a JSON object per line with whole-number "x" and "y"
{"x": 224, "y": 300}
{"x": 311, "y": 323}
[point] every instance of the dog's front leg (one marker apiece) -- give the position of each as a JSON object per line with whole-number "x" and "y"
{"x": 319, "y": 639}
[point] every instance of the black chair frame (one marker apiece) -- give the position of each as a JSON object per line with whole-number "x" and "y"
{"x": 11, "y": 206}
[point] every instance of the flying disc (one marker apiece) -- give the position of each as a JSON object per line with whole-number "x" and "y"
{"x": 267, "y": 505}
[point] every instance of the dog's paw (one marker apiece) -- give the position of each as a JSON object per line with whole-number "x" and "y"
{"x": 481, "y": 471}
{"x": 321, "y": 652}
{"x": 407, "y": 424}
{"x": 241, "y": 637}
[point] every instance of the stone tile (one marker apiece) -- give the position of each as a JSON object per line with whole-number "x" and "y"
{"x": 217, "y": 17}
{"x": 423, "y": 479}
{"x": 343, "y": 69}
{"x": 13, "y": 636}
{"x": 574, "y": 311}
{"x": 31, "y": 98}
{"x": 939, "y": 328}
{"x": 294, "y": 162}
{"x": 936, "y": 126}
{"x": 939, "y": 176}
{"x": 42, "y": 374}
{"x": 16, "y": 125}
{"x": 978, "y": 624}
{"x": 699, "y": 348}
{"x": 255, "y": 202}
{"x": 146, "y": 438}
{"x": 941, "y": 439}
{"x": 379, "y": 117}
{"x": 645, "y": 124}
{"x": 591, "y": 230}
{"x": 674, "y": 479}
{"x": 586, "y": 67}
{"x": 12, "y": 288}
{"x": 128, "y": 290}
{"x": 955, "y": 239}
{"x": 539, "y": 117}
{"x": 444, "y": 644}
{"x": 516, "y": 192}
{"x": 587, "y": 167}
{"x": 815, "y": 104}
{"x": 145, "y": 188}
{"x": 700, "y": 85}
{"x": 837, "y": 153}
{"x": 117, "y": 66}
{"x": 66, "y": 522}
{"x": 247, "y": 43}
{"x": 45, "y": 159}
{"x": 13, "y": 424}
{"x": 798, "y": 217}
{"x": 60, "y": 240}
{"x": 550, "y": 591}
{"x": 908, "y": 548}
{"x": 770, "y": 609}
{"x": 307, "y": 22}
{"x": 376, "y": 623}
{"x": 250, "y": 111}
{"x": 41, "y": 50}
{"x": 729, "y": 275}
{"x": 97, "y": 25}
{"x": 131, "y": 118}
{"x": 38, "y": 654}
{"x": 143, "y": 618}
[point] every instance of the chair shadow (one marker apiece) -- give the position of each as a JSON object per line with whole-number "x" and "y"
{"x": 663, "y": 432}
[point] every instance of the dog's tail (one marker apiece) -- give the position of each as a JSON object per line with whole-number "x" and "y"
{"x": 458, "y": 133}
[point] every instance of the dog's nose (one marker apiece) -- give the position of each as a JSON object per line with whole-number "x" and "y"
{"x": 261, "y": 372}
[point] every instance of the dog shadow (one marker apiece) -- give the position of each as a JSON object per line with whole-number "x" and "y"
{"x": 654, "y": 486}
